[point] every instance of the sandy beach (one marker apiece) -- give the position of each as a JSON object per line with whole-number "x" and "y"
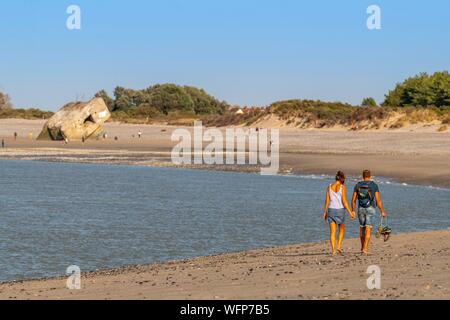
{"x": 413, "y": 266}
{"x": 415, "y": 155}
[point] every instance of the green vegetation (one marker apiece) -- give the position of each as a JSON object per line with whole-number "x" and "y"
{"x": 420, "y": 99}
{"x": 312, "y": 112}
{"x": 369, "y": 102}
{"x": 446, "y": 120}
{"x": 7, "y": 111}
{"x": 5, "y": 102}
{"x": 421, "y": 90}
{"x": 232, "y": 119}
{"x": 162, "y": 101}
{"x": 31, "y": 114}
{"x": 319, "y": 114}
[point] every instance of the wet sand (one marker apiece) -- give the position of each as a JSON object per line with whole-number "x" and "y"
{"x": 416, "y": 155}
{"x": 413, "y": 266}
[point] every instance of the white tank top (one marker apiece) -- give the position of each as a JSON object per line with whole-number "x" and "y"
{"x": 336, "y": 199}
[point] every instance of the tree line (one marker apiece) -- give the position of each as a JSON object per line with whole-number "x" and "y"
{"x": 422, "y": 90}
{"x": 163, "y": 100}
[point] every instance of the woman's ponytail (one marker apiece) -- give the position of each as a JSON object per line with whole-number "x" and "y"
{"x": 340, "y": 176}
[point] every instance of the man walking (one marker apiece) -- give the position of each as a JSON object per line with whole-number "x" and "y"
{"x": 368, "y": 195}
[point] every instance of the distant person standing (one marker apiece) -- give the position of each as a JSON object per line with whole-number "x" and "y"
{"x": 3, "y": 143}
{"x": 367, "y": 194}
{"x": 15, "y": 135}
{"x": 139, "y": 134}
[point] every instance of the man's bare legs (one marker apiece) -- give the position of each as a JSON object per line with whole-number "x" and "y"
{"x": 333, "y": 238}
{"x": 367, "y": 235}
{"x": 362, "y": 236}
{"x": 341, "y": 237}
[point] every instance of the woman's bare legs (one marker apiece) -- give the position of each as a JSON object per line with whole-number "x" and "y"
{"x": 333, "y": 238}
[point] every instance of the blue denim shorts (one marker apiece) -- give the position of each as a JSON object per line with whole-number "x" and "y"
{"x": 336, "y": 215}
{"x": 366, "y": 216}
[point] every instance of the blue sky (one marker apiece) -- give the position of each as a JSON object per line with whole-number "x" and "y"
{"x": 250, "y": 52}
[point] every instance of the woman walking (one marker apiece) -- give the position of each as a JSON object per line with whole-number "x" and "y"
{"x": 335, "y": 206}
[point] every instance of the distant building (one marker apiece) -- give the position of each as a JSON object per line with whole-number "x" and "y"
{"x": 240, "y": 110}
